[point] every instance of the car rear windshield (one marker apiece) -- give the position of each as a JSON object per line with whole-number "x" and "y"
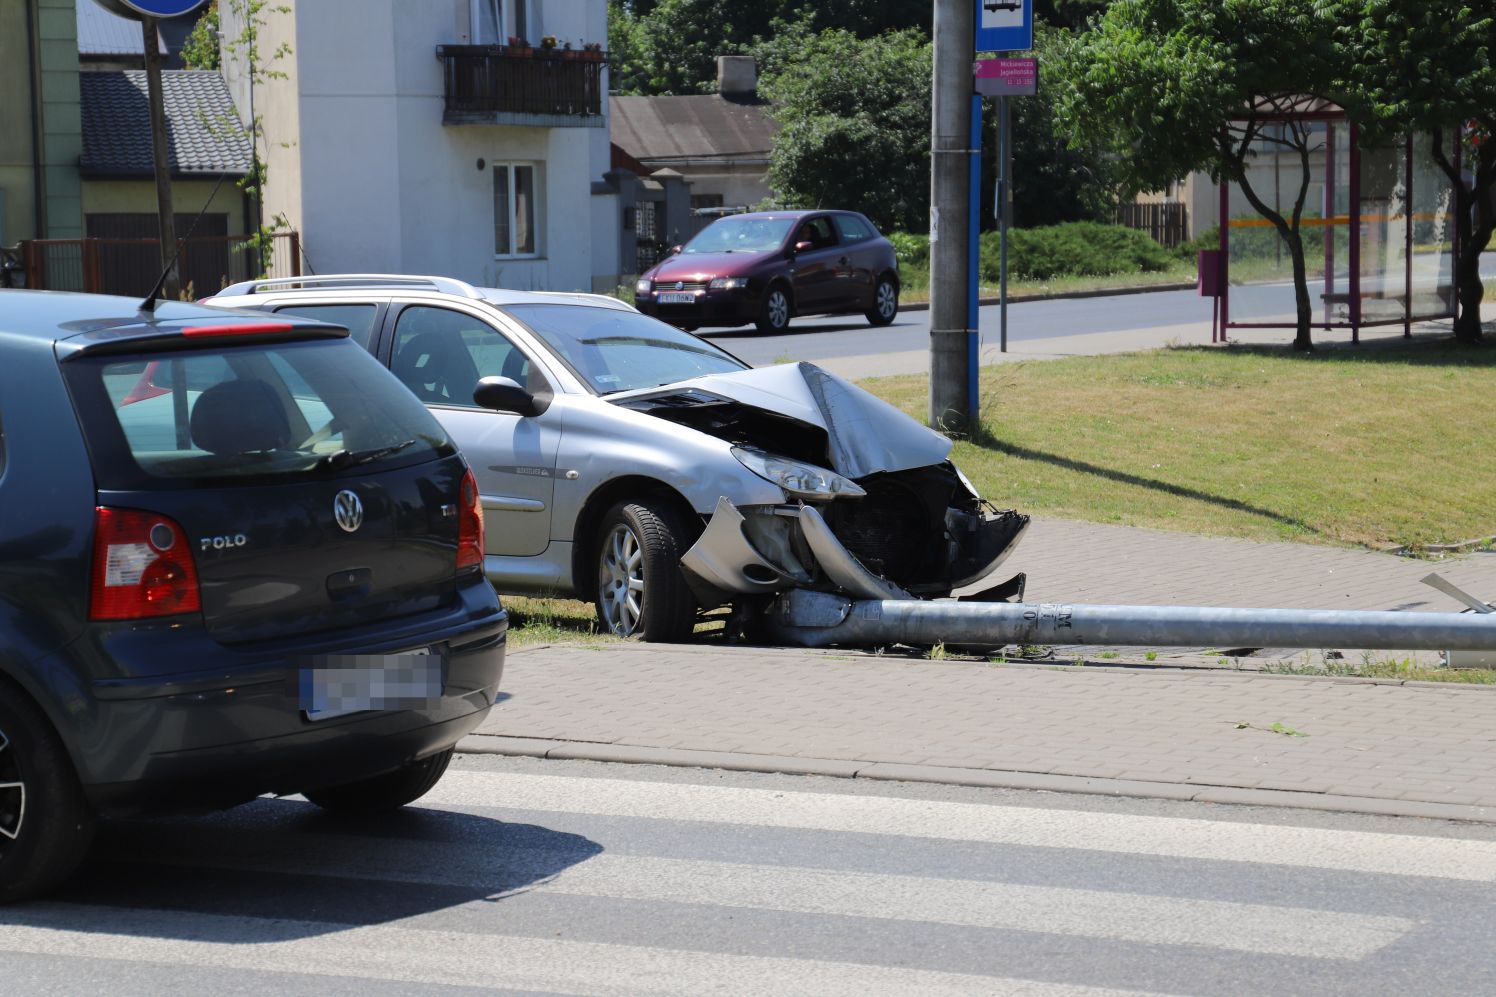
{"x": 254, "y": 411}
{"x": 741, "y": 235}
{"x": 614, "y": 350}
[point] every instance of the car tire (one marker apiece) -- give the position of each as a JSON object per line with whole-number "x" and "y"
{"x": 885, "y": 302}
{"x": 640, "y": 587}
{"x": 46, "y": 823}
{"x": 775, "y": 311}
{"x": 390, "y": 791}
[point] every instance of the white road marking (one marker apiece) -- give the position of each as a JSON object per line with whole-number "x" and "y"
{"x": 465, "y": 959}
{"x": 1130, "y": 917}
{"x": 1175, "y": 837}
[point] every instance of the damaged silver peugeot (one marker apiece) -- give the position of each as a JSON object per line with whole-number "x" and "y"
{"x": 625, "y": 462}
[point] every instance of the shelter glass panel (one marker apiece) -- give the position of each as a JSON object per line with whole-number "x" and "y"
{"x": 1433, "y": 233}
{"x": 1384, "y": 231}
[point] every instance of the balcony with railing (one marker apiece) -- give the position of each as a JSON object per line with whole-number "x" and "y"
{"x": 510, "y": 85}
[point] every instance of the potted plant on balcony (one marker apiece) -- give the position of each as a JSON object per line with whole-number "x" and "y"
{"x": 518, "y": 46}
{"x": 566, "y": 51}
{"x": 547, "y": 46}
{"x": 592, "y": 52}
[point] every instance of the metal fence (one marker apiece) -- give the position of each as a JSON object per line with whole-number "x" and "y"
{"x": 484, "y": 80}
{"x": 131, "y": 266}
{"x": 1166, "y": 221}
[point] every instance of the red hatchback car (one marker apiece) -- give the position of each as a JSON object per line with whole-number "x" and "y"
{"x": 767, "y": 267}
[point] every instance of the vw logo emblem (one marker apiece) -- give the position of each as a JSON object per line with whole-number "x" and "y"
{"x": 679, "y": 284}
{"x": 348, "y": 511}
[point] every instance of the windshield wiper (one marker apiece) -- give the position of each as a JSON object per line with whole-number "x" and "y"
{"x": 349, "y": 458}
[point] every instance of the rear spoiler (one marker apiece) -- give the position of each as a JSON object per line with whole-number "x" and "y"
{"x": 133, "y": 335}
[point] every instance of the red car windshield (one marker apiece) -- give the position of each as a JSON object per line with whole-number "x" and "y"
{"x": 741, "y": 235}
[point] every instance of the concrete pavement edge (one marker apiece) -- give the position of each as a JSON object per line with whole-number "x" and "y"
{"x": 1098, "y": 292}
{"x": 497, "y": 744}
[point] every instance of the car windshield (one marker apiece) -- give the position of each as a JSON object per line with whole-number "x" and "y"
{"x": 741, "y": 235}
{"x": 613, "y": 350}
{"x": 276, "y": 409}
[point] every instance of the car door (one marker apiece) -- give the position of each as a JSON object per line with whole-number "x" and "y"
{"x": 860, "y": 251}
{"x": 440, "y": 353}
{"x": 816, "y": 268}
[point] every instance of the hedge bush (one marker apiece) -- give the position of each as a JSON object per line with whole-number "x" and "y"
{"x": 1081, "y": 249}
{"x": 1078, "y": 249}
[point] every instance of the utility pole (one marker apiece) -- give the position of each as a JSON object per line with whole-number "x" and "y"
{"x": 172, "y": 288}
{"x": 953, "y": 408}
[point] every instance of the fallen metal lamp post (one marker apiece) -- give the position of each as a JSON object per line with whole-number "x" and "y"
{"x": 818, "y": 619}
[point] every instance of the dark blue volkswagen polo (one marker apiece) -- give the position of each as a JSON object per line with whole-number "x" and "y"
{"x": 237, "y": 557}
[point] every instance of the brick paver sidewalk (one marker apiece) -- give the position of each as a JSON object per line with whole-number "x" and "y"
{"x": 1227, "y": 736}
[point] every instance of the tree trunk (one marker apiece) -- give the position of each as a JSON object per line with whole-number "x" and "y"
{"x": 1304, "y": 310}
{"x": 1467, "y": 270}
{"x": 1474, "y": 222}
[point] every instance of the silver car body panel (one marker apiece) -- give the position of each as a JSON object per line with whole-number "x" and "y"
{"x": 866, "y": 434}
{"x": 584, "y": 442}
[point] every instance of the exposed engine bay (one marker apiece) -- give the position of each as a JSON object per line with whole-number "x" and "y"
{"x": 911, "y": 527}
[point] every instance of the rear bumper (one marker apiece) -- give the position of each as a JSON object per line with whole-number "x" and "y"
{"x": 210, "y": 739}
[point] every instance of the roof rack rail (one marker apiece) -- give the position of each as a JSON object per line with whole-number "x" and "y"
{"x": 448, "y": 285}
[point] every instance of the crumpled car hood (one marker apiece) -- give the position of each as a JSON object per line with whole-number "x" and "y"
{"x": 866, "y": 434}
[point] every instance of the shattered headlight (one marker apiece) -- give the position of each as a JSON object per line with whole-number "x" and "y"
{"x": 802, "y": 480}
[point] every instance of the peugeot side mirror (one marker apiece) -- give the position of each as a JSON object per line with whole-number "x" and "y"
{"x": 803, "y": 245}
{"x": 503, "y": 394}
{"x": 674, "y": 251}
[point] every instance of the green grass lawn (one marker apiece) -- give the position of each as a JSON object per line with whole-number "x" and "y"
{"x": 1376, "y": 445}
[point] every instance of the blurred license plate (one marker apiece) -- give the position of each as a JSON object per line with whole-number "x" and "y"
{"x": 677, "y": 297}
{"x": 335, "y": 685}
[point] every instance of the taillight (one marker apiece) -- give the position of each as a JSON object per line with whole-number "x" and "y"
{"x": 469, "y": 524}
{"x": 142, "y": 567}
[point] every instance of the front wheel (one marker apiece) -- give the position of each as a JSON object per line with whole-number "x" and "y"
{"x": 885, "y": 302}
{"x": 640, "y": 588}
{"x": 774, "y": 313}
{"x": 383, "y": 792}
{"x": 45, "y": 823}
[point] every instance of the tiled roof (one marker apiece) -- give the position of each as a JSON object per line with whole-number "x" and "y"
{"x": 654, "y": 129}
{"x": 199, "y": 122}
{"x": 101, "y": 32}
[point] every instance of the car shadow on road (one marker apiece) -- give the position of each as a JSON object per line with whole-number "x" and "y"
{"x": 753, "y": 333}
{"x": 281, "y": 869}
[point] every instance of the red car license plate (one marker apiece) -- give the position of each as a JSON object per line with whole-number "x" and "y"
{"x": 677, "y": 297}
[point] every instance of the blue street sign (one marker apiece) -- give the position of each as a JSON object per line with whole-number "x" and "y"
{"x": 136, "y": 9}
{"x": 1005, "y": 25}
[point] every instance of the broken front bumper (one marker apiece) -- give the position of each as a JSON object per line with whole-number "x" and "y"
{"x": 763, "y": 550}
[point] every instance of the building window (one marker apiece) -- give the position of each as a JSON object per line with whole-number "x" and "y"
{"x": 516, "y": 193}
{"x": 492, "y": 27}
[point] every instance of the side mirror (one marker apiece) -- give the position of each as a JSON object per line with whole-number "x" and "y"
{"x": 503, "y": 394}
{"x": 674, "y": 251}
{"x": 803, "y": 245}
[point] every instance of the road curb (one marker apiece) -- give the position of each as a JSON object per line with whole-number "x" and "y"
{"x": 1099, "y": 292}
{"x": 529, "y": 747}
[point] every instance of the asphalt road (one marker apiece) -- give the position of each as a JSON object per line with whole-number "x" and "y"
{"x": 524, "y": 876}
{"x": 1029, "y": 322}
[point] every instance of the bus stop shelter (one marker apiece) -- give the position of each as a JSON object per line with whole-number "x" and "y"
{"x": 1378, "y": 230}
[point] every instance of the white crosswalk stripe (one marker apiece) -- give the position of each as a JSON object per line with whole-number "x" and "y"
{"x": 437, "y": 874}
{"x": 1265, "y": 844}
{"x": 466, "y": 959}
{"x": 1061, "y": 911}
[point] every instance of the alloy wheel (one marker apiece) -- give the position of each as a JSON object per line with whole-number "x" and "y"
{"x": 620, "y": 581}
{"x": 12, "y": 793}
{"x": 888, "y": 300}
{"x": 778, "y": 309}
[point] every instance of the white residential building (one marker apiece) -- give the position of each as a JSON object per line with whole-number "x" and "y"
{"x": 424, "y": 136}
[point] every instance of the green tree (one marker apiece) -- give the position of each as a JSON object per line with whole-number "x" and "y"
{"x": 200, "y": 50}
{"x": 854, "y": 119}
{"x": 671, "y": 46}
{"x": 1430, "y": 66}
{"x": 1173, "y": 86}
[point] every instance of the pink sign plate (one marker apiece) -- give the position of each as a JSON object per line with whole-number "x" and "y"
{"x": 1006, "y": 77}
